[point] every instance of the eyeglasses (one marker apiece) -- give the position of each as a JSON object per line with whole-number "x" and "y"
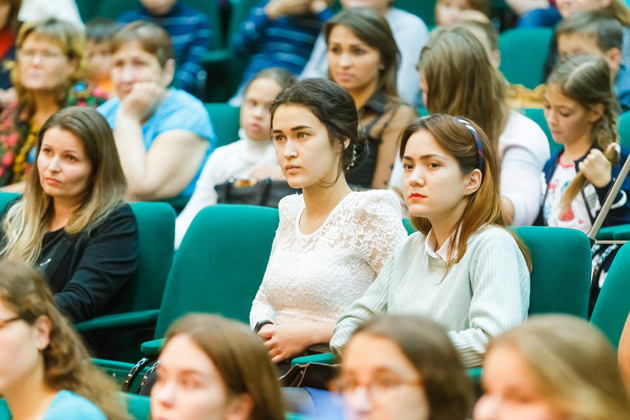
{"x": 4, "y": 322}
{"x": 379, "y": 391}
{"x": 46, "y": 55}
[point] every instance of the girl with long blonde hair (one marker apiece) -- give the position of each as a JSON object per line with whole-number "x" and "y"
{"x": 72, "y": 222}
{"x": 45, "y": 371}
{"x": 553, "y": 367}
{"x": 463, "y": 268}
{"x": 458, "y": 79}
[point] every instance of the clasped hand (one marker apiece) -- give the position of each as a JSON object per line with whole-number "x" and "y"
{"x": 143, "y": 100}
{"x": 596, "y": 168}
{"x": 285, "y": 340}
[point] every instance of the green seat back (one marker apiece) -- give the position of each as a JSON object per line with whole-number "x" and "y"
{"x": 524, "y": 54}
{"x": 424, "y": 9}
{"x": 87, "y": 9}
{"x": 156, "y": 230}
{"x": 220, "y": 263}
{"x": 5, "y": 198}
{"x": 538, "y": 116}
{"x": 139, "y": 407}
{"x": 114, "y": 8}
{"x": 408, "y": 226}
{"x": 613, "y": 303}
{"x": 226, "y": 121}
{"x": 560, "y": 279}
{"x": 624, "y": 129}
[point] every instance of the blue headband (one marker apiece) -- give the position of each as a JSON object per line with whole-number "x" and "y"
{"x": 482, "y": 160}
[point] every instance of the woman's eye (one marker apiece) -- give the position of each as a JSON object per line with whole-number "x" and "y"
{"x": 407, "y": 166}
{"x": 301, "y": 135}
{"x": 434, "y": 165}
{"x": 278, "y": 139}
{"x": 72, "y": 158}
{"x": 335, "y": 50}
{"x": 359, "y": 51}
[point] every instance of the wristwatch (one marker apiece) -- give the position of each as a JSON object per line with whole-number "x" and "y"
{"x": 261, "y": 324}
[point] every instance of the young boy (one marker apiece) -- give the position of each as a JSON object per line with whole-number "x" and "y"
{"x": 189, "y": 30}
{"x": 594, "y": 34}
{"x": 98, "y": 47}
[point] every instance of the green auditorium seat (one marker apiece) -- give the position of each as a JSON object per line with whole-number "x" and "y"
{"x": 156, "y": 229}
{"x": 560, "y": 279}
{"x": 424, "y": 9}
{"x": 624, "y": 129}
{"x": 114, "y": 8}
{"x": 138, "y": 407}
{"x": 523, "y": 55}
{"x": 5, "y": 198}
{"x": 613, "y": 303}
{"x": 87, "y": 9}
{"x": 538, "y": 116}
{"x": 217, "y": 269}
{"x": 226, "y": 121}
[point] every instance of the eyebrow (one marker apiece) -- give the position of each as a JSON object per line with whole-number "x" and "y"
{"x": 425, "y": 157}
{"x": 299, "y": 127}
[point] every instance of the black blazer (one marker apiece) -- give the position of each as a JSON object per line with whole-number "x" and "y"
{"x": 89, "y": 272}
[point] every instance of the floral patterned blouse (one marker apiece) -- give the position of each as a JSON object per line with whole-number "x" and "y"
{"x": 18, "y": 134}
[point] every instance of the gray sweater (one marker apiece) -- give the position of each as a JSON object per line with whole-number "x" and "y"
{"x": 483, "y": 295}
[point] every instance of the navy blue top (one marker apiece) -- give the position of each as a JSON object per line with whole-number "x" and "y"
{"x": 190, "y": 32}
{"x": 619, "y": 213}
{"x": 622, "y": 88}
{"x": 65, "y": 406}
{"x": 286, "y": 42}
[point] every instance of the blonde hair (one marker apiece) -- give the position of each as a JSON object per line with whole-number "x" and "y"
{"x": 463, "y": 82}
{"x": 587, "y": 81}
{"x": 26, "y": 222}
{"x": 67, "y": 364}
{"x": 58, "y": 32}
{"x": 240, "y": 358}
{"x": 574, "y": 366}
{"x": 617, "y": 9}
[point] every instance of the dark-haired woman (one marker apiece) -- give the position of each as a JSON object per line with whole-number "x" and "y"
{"x": 410, "y": 368}
{"x": 463, "y": 268}
{"x": 363, "y": 59}
{"x": 72, "y": 222}
{"x": 331, "y": 242}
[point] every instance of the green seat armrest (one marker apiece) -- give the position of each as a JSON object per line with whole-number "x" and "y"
{"x": 326, "y": 358}
{"x": 152, "y": 348}
{"x": 293, "y": 416}
{"x": 112, "y": 364}
{"x": 213, "y": 58}
{"x": 125, "y": 320}
{"x": 607, "y": 233}
{"x": 622, "y": 233}
{"x": 474, "y": 375}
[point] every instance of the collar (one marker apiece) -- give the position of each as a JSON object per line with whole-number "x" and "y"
{"x": 441, "y": 253}
{"x": 376, "y": 104}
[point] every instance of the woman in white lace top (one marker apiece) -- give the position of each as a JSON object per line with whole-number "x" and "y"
{"x": 331, "y": 242}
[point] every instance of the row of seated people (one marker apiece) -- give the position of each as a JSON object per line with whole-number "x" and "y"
{"x": 551, "y": 367}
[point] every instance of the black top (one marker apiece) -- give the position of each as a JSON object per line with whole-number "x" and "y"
{"x": 88, "y": 272}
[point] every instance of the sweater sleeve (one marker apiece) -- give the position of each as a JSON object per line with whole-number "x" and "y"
{"x": 109, "y": 261}
{"x": 619, "y": 213}
{"x": 500, "y": 301}
{"x": 190, "y": 66}
{"x": 373, "y": 302}
{"x": 317, "y": 65}
{"x": 252, "y": 30}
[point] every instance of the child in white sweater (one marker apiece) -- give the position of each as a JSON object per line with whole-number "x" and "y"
{"x": 463, "y": 268}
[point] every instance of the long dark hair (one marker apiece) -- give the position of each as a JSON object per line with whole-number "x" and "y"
{"x": 334, "y": 108}
{"x": 372, "y": 28}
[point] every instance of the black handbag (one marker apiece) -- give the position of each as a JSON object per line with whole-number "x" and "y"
{"x": 310, "y": 375}
{"x": 266, "y": 192}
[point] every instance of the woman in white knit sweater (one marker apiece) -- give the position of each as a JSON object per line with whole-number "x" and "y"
{"x": 332, "y": 242}
{"x": 463, "y": 268}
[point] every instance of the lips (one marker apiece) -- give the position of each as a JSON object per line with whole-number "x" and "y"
{"x": 416, "y": 196}
{"x": 52, "y": 181}
{"x": 291, "y": 169}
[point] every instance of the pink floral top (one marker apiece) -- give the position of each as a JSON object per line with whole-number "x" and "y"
{"x": 18, "y": 134}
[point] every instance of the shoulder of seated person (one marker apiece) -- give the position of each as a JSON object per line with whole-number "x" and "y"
{"x": 493, "y": 237}
{"x": 290, "y": 202}
{"x": 523, "y": 130}
{"x": 372, "y": 201}
{"x": 120, "y": 212}
{"x": 70, "y": 406}
{"x": 405, "y": 18}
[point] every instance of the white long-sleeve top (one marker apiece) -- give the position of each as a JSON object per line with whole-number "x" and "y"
{"x": 235, "y": 160}
{"x": 523, "y": 152}
{"x": 410, "y": 33}
{"x": 485, "y": 294}
{"x": 316, "y": 277}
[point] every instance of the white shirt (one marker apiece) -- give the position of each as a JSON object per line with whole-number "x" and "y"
{"x": 410, "y": 33}
{"x": 523, "y": 151}
{"x": 316, "y": 277}
{"x": 235, "y": 160}
{"x": 67, "y": 10}
{"x": 576, "y": 216}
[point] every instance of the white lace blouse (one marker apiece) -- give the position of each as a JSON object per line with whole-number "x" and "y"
{"x": 317, "y": 277}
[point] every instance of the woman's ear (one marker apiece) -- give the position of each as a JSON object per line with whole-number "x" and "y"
{"x": 168, "y": 73}
{"x": 473, "y": 182}
{"x": 596, "y": 113}
{"x": 42, "y": 327}
{"x": 240, "y": 407}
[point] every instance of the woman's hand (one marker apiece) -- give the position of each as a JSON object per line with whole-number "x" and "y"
{"x": 143, "y": 100}
{"x": 596, "y": 168}
{"x": 288, "y": 340}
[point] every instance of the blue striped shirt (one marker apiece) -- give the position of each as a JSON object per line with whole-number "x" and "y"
{"x": 286, "y": 42}
{"x": 190, "y": 32}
